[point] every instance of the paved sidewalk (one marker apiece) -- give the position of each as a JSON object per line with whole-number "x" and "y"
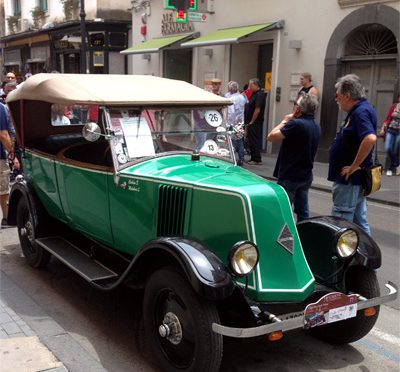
{"x": 20, "y": 347}
{"x": 31, "y": 340}
{"x": 388, "y": 194}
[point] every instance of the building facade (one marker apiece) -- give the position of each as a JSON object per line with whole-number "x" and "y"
{"x": 274, "y": 41}
{"x": 45, "y": 35}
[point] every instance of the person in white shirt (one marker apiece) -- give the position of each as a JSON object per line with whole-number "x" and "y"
{"x": 235, "y": 118}
{"x": 58, "y": 115}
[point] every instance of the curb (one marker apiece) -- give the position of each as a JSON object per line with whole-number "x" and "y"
{"x": 328, "y": 190}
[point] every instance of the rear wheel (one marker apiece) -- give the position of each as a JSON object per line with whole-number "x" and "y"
{"x": 178, "y": 325}
{"x": 359, "y": 280}
{"x": 28, "y": 231}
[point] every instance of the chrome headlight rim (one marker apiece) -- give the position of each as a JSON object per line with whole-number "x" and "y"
{"x": 237, "y": 247}
{"x": 340, "y": 252}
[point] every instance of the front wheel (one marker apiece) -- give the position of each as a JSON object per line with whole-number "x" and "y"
{"x": 359, "y": 280}
{"x": 28, "y": 231}
{"x": 178, "y": 325}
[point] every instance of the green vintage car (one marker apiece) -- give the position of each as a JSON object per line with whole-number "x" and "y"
{"x": 132, "y": 180}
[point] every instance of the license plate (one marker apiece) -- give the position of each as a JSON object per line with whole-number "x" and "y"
{"x": 330, "y": 308}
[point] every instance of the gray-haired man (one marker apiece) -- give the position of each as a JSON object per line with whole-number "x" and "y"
{"x": 350, "y": 150}
{"x": 236, "y": 118}
{"x": 300, "y": 134}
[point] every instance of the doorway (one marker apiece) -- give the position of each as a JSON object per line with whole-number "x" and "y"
{"x": 178, "y": 64}
{"x": 377, "y": 78}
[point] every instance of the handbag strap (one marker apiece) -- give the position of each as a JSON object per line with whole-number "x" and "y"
{"x": 375, "y": 150}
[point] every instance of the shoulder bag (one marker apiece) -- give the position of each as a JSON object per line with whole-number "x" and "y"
{"x": 371, "y": 177}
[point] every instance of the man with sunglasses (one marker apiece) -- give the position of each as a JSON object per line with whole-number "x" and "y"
{"x": 351, "y": 150}
{"x": 216, "y": 86}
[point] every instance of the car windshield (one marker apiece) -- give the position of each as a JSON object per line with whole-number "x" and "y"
{"x": 137, "y": 134}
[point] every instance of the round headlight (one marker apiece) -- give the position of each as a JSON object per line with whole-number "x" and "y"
{"x": 347, "y": 243}
{"x": 243, "y": 258}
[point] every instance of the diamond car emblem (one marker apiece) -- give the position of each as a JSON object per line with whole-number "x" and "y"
{"x": 285, "y": 239}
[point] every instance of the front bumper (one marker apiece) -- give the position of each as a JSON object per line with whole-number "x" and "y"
{"x": 287, "y": 322}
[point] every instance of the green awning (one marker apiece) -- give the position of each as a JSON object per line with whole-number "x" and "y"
{"x": 156, "y": 44}
{"x": 231, "y": 35}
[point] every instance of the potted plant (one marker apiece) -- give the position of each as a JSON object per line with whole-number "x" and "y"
{"x": 38, "y": 16}
{"x": 12, "y": 23}
{"x": 71, "y": 9}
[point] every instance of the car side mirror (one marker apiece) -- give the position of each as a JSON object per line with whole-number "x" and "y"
{"x": 91, "y": 132}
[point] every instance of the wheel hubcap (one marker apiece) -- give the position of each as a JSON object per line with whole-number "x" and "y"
{"x": 28, "y": 230}
{"x": 171, "y": 328}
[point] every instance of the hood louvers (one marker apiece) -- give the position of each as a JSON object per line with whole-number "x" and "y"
{"x": 171, "y": 210}
{"x": 285, "y": 239}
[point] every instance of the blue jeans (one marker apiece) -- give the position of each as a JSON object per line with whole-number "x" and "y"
{"x": 238, "y": 146}
{"x": 297, "y": 192}
{"x": 349, "y": 204}
{"x": 392, "y": 147}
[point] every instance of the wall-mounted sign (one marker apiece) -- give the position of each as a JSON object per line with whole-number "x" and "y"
{"x": 118, "y": 39}
{"x": 295, "y": 78}
{"x": 170, "y": 27}
{"x": 197, "y": 17}
{"x": 98, "y": 59}
{"x": 97, "y": 39}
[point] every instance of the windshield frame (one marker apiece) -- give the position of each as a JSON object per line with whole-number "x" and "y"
{"x": 116, "y": 133}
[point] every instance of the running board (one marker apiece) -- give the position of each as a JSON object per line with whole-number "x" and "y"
{"x": 78, "y": 261}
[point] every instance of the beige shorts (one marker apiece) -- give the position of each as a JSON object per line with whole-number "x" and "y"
{"x": 4, "y": 177}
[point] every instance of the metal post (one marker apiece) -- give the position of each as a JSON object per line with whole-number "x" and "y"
{"x": 83, "y": 38}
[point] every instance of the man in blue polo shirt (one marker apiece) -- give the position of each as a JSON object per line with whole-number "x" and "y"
{"x": 350, "y": 150}
{"x": 300, "y": 134}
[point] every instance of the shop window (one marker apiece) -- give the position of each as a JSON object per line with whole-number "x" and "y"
{"x": 43, "y": 5}
{"x": 17, "y": 7}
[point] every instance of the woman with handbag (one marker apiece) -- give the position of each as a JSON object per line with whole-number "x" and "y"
{"x": 390, "y": 130}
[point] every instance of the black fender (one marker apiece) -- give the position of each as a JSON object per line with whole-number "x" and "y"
{"x": 318, "y": 237}
{"x": 22, "y": 189}
{"x": 203, "y": 269}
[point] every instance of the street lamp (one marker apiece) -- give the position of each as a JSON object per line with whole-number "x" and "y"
{"x": 83, "y": 38}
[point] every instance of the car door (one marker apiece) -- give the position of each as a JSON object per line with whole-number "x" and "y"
{"x": 84, "y": 196}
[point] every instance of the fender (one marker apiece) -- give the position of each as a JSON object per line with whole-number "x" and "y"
{"x": 204, "y": 270}
{"x": 322, "y": 258}
{"x": 22, "y": 189}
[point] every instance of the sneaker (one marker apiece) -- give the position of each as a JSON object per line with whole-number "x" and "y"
{"x": 4, "y": 224}
{"x": 398, "y": 171}
{"x": 240, "y": 163}
{"x": 389, "y": 173}
{"x": 252, "y": 162}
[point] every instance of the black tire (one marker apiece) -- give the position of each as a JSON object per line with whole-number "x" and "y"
{"x": 200, "y": 349}
{"x": 28, "y": 231}
{"x": 359, "y": 280}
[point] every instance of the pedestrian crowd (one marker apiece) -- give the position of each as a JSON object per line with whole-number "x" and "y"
{"x": 299, "y": 134}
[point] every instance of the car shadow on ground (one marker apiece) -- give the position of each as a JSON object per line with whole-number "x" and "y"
{"x": 109, "y": 326}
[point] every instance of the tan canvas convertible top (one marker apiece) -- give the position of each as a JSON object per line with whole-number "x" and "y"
{"x": 99, "y": 89}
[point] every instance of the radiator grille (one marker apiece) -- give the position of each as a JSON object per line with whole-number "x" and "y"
{"x": 171, "y": 210}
